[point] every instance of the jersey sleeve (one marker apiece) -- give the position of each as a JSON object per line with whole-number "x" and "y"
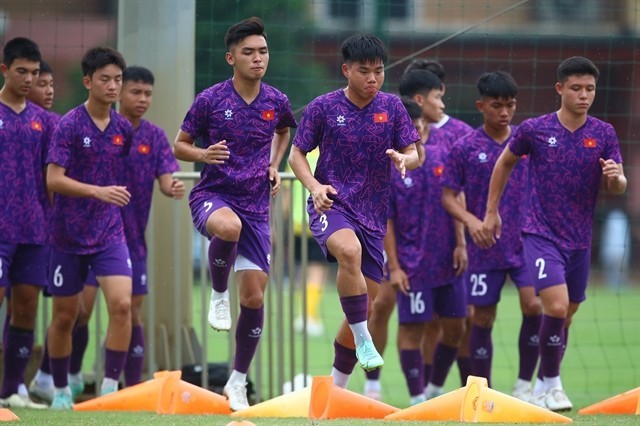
{"x": 521, "y": 141}
{"x": 195, "y": 120}
{"x": 453, "y": 176}
{"x": 165, "y": 162}
{"x": 311, "y": 127}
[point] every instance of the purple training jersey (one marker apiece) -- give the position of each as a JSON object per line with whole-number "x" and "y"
{"x": 564, "y": 176}
{"x": 23, "y": 140}
{"x": 150, "y": 157}
{"x": 424, "y": 231}
{"x": 87, "y": 225}
{"x": 353, "y": 159}
{"x": 219, "y": 113}
{"x": 454, "y": 128}
{"x": 468, "y": 169}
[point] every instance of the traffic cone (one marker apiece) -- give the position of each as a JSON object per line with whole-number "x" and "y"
{"x": 7, "y": 415}
{"x": 332, "y": 402}
{"x": 191, "y": 399}
{"x": 625, "y": 403}
{"x": 152, "y": 395}
{"x": 485, "y": 405}
{"x": 293, "y": 404}
{"x": 443, "y": 407}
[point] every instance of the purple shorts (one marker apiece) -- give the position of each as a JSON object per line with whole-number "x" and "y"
{"x": 23, "y": 264}
{"x": 138, "y": 278}
{"x": 447, "y": 301}
{"x": 69, "y": 270}
{"x": 485, "y": 286}
{"x": 255, "y": 237}
{"x": 550, "y": 265}
{"x": 324, "y": 225}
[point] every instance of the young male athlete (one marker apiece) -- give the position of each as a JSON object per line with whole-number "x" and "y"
{"x": 569, "y": 153}
{"x": 244, "y": 126}
{"x": 360, "y": 132}
{"x": 468, "y": 169}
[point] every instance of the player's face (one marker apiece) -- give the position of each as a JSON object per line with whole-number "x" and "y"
{"x": 21, "y": 76}
{"x": 135, "y": 98}
{"x": 497, "y": 113}
{"x": 249, "y": 58}
{"x": 432, "y": 105}
{"x": 105, "y": 84}
{"x": 364, "y": 79}
{"x": 577, "y": 93}
{"x": 42, "y": 92}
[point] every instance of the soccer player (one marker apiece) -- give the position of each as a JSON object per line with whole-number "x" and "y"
{"x": 24, "y": 135}
{"x": 360, "y": 132}
{"x": 244, "y": 126}
{"x": 468, "y": 169}
{"x": 569, "y": 153}
{"x": 85, "y": 171}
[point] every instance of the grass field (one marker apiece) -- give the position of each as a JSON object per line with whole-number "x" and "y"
{"x": 602, "y": 360}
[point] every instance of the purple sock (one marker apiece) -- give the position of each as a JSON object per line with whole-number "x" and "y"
{"x": 135, "y": 357}
{"x": 481, "y": 348}
{"x": 443, "y": 359}
{"x": 426, "y": 372}
{"x": 45, "y": 364}
{"x": 355, "y": 307}
{"x": 60, "y": 371}
{"x": 114, "y": 363}
{"x": 222, "y": 255}
{"x": 551, "y": 342}
{"x": 373, "y": 374}
{"x": 565, "y": 340}
{"x": 248, "y": 332}
{"x": 464, "y": 367}
{"x": 5, "y": 331}
{"x": 411, "y": 362}
{"x": 18, "y": 351}
{"x": 528, "y": 346}
{"x": 80, "y": 339}
{"x": 344, "y": 359}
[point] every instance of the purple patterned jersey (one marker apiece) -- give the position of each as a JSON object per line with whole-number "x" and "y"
{"x": 424, "y": 231}
{"x": 219, "y": 113}
{"x": 454, "y": 128}
{"x": 564, "y": 176}
{"x": 352, "y": 143}
{"x": 468, "y": 169}
{"x": 150, "y": 157}
{"x": 88, "y": 225}
{"x": 23, "y": 138}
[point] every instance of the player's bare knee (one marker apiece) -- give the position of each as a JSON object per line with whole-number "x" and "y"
{"x": 63, "y": 321}
{"x": 532, "y": 307}
{"x": 120, "y": 310}
{"x": 556, "y": 310}
{"x": 228, "y": 230}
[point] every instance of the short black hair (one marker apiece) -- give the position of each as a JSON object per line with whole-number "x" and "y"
{"x": 45, "y": 68}
{"x": 365, "y": 48}
{"x": 243, "y": 29}
{"x": 427, "y": 64}
{"x": 138, "y": 74}
{"x": 98, "y": 57}
{"x": 413, "y": 109}
{"x": 497, "y": 84}
{"x": 20, "y": 48}
{"x": 576, "y": 65}
{"x": 419, "y": 81}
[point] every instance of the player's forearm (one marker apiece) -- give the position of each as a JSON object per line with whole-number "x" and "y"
{"x": 186, "y": 151}
{"x": 499, "y": 177}
{"x": 618, "y": 185}
{"x": 454, "y": 207}
{"x": 300, "y": 167}
{"x": 64, "y": 185}
{"x": 412, "y": 160}
{"x": 390, "y": 246}
{"x": 279, "y": 146}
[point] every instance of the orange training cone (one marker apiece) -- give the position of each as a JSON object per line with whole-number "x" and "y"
{"x": 192, "y": 399}
{"x": 293, "y": 404}
{"x": 624, "y": 403}
{"x": 7, "y": 415}
{"x": 485, "y": 405}
{"x": 332, "y": 402}
{"x": 152, "y": 395}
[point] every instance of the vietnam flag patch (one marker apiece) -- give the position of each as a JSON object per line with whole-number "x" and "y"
{"x": 590, "y": 143}
{"x": 268, "y": 115}
{"x": 438, "y": 170}
{"x": 118, "y": 140}
{"x": 380, "y": 117}
{"x": 144, "y": 149}
{"x": 35, "y": 125}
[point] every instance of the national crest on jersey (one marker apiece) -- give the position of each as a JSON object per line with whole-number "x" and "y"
{"x": 118, "y": 140}
{"x": 380, "y": 117}
{"x": 589, "y": 143}
{"x": 36, "y": 125}
{"x": 144, "y": 149}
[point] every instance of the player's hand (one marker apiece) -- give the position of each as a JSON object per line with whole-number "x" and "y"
{"x": 492, "y": 228}
{"x": 610, "y": 169}
{"x": 321, "y": 197}
{"x": 217, "y": 153}
{"x": 177, "y": 189}
{"x": 274, "y": 180}
{"x": 477, "y": 232}
{"x": 460, "y": 260}
{"x": 399, "y": 280}
{"x": 399, "y": 160}
{"x": 116, "y": 195}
